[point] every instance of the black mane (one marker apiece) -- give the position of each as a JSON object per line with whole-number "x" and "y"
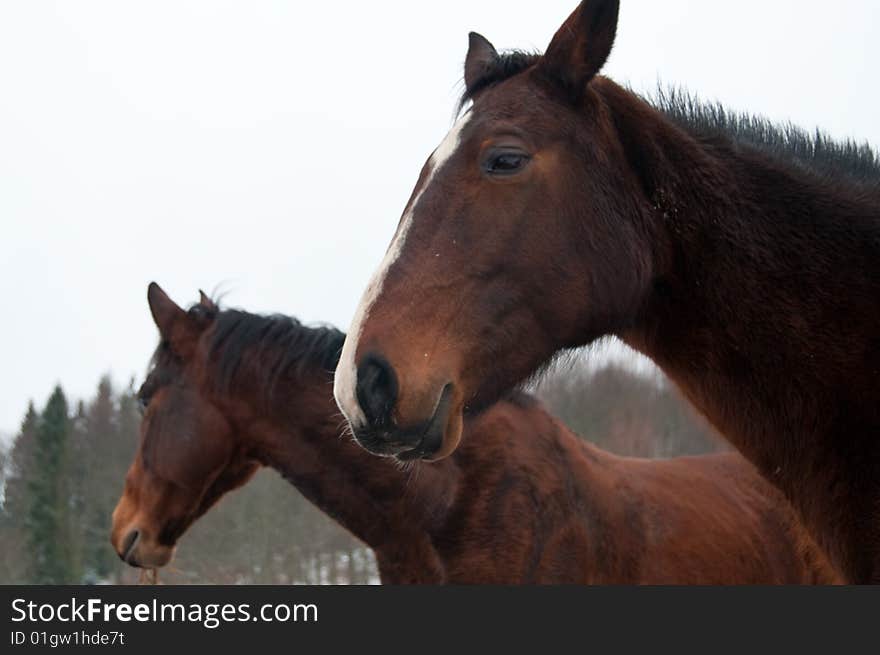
{"x": 277, "y": 346}
{"x": 815, "y": 151}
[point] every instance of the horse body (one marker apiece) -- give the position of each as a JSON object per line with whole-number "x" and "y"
{"x": 744, "y": 260}
{"x": 522, "y": 501}
{"x": 555, "y": 509}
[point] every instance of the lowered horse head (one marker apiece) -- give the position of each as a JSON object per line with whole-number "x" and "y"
{"x": 525, "y": 231}
{"x": 188, "y": 456}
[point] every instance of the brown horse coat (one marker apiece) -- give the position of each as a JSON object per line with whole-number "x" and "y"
{"x": 522, "y": 501}
{"x": 742, "y": 257}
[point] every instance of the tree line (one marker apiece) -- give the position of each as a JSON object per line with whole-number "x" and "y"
{"x": 64, "y": 471}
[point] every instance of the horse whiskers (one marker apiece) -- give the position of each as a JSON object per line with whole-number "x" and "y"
{"x": 343, "y": 427}
{"x": 407, "y": 466}
{"x": 344, "y": 430}
{"x": 412, "y": 474}
{"x": 148, "y": 576}
{"x": 170, "y": 568}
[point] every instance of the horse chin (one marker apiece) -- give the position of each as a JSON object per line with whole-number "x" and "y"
{"x": 148, "y": 556}
{"x": 427, "y": 440}
{"x": 155, "y": 559}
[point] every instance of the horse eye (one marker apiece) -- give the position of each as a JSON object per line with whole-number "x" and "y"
{"x": 143, "y": 403}
{"x": 505, "y": 162}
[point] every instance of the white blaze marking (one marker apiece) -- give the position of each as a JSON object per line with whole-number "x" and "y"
{"x": 345, "y": 382}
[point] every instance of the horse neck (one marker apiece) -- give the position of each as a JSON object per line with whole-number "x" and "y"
{"x": 299, "y": 433}
{"x": 765, "y": 312}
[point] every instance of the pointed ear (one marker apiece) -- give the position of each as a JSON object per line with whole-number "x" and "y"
{"x": 480, "y": 57}
{"x": 175, "y": 325}
{"x": 206, "y": 302}
{"x": 581, "y": 46}
{"x": 166, "y": 313}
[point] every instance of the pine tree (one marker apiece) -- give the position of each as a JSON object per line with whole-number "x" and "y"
{"x": 47, "y": 525}
{"x": 16, "y": 554}
{"x": 7, "y": 548}
{"x": 21, "y": 461}
{"x": 99, "y": 440}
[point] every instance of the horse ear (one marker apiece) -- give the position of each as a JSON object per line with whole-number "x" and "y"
{"x": 581, "y": 46}
{"x": 175, "y": 325}
{"x": 206, "y": 302}
{"x": 480, "y": 56}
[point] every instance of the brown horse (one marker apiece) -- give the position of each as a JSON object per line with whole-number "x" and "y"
{"x": 741, "y": 257}
{"x": 523, "y": 500}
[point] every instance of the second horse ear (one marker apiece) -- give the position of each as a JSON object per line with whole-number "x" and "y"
{"x": 480, "y": 56}
{"x": 176, "y": 327}
{"x": 206, "y": 302}
{"x": 580, "y": 47}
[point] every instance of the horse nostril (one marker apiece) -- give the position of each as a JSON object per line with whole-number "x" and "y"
{"x": 376, "y": 390}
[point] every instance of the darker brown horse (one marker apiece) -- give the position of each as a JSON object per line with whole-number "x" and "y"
{"x": 741, "y": 257}
{"x": 523, "y": 500}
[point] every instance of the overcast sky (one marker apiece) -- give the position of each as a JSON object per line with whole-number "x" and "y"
{"x": 269, "y": 148}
